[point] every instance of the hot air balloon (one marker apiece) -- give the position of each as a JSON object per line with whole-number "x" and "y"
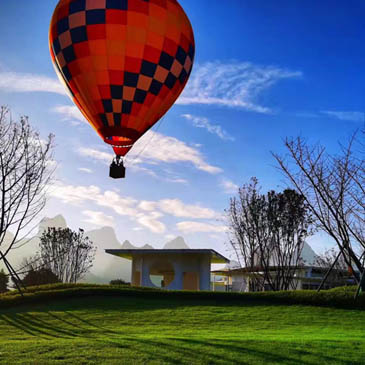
{"x": 123, "y": 62}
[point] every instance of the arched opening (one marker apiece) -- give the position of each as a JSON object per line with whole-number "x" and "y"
{"x": 162, "y": 274}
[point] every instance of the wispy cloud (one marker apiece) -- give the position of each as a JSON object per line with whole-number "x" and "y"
{"x": 214, "y": 83}
{"x": 151, "y": 222}
{"x": 123, "y": 206}
{"x": 147, "y": 214}
{"x": 68, "y": 112}
{"x": 177, "y": 208}
{"x": 98, "y": 218}
{"x": 86, "y": 170}
{"x": 229, "y": 187}
{"x": 234, "y": 84}
{"x": 202, "y": 122}
{"x": 96, "y": 154}
{"x": 195, "y": 227}
{"x": 155, "y": 148}
{"x": 27, "y": 82}
{"x": 352, "y": 116}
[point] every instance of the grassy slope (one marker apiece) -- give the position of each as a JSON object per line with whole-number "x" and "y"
{"x": 175, "y": 329}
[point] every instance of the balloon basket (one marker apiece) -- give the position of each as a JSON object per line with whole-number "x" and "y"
{"x": 117, "y": 169}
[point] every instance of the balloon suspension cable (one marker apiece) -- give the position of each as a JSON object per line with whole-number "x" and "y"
{"x": 146, "y": 144}
{"x": 117, "y": 169}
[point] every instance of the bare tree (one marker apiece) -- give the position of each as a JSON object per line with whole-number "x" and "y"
{"x": 329, "y": 258}
{"x": 247, "y": 228}
{"x": 68, "y": 254}
{"x": 25, "y": 171}
{"x": 333, "y": 186}
{"x": 267, "y": 233}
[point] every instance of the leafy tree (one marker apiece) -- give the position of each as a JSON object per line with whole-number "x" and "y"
{"x": 4, "y": 280}
{"x": 267, "y": 233}
{"x": 25, "y": 171}
{"x": 68, "y": 254}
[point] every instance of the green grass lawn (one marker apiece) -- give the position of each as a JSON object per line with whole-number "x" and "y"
{"x": 173, "y": 329}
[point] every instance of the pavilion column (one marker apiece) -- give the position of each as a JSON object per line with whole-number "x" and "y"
{"x": 145, "y": 272}
{"x": 204, "y": 277}
{"x": 179, "y": 276}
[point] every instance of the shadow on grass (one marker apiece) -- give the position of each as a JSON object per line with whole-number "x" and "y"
{"x": 35, "y": 326}
{"x": 167, "y": 350}
{"x": 128, "y": 304}
{"x": 216, "y": 351}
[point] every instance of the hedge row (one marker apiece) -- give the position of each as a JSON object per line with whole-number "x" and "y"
{"x": 340, "y": 297}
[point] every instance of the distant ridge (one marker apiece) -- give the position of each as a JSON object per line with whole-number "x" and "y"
{"x": 57, "y": 222}
{"x": 107, "y": 267}
{"x": 128, "y": 246}
{"x": 177, "y": 243}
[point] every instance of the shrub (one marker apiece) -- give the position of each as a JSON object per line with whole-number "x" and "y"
{"x": 118, "y": 282}
{"x": 40, "y": 277}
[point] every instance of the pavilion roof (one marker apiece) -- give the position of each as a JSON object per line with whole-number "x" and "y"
{"x": 216, "y": 258}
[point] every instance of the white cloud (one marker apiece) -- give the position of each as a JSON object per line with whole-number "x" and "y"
{"x": 177, "y": 208}
{"x": 154, "y": 148}
{"x": 352, "y": 116}
{"x": 93, "y": 153}
{"x": 27, "y": 82}
{"x": 202, "y": 122}
{"x": 194, "y": 227}
{"x": 151, "y": 222}
{"x": 69, "y": 113}
{"x": 123, "y": 206}
{"x": 146, "y": 213}
{"x": 177, "y": 180}
{"x": 147, "y": 205}
{"x": 229, "y": 187}
{"x": 234, "y": 84}
{"x": 214, "y": 83}
{"x": 86, "y": 170}
{"x": 76, "y": 195}
{"x": 98, "y": 218}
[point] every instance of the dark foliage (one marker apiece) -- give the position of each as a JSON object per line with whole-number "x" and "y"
{"x": 4, "y": 280}
{"x": 40, "y": 277}
{"x": 118, "y": 282}
{"x": 338, "y": 298}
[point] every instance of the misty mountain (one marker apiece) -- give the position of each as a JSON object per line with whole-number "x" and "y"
{"x": 308, "y": 255}
{"x": 177, "y": 243}
{"x": 128, "y": 246}
{"x": 105, "y": 267}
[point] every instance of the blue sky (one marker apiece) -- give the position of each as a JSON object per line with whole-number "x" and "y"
{"x": 264, "y": 70}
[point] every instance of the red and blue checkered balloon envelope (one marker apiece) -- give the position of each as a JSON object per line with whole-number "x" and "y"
{"x": 124, "y": 62}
